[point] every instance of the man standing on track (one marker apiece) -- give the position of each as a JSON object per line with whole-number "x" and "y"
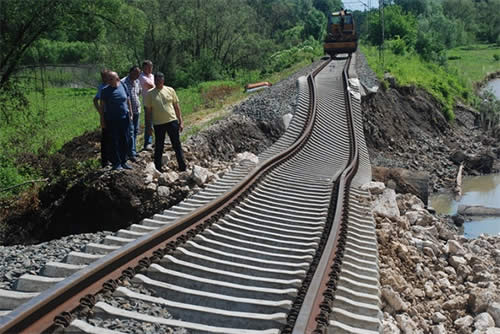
{"x": 162, "y": 107}
{"x": 147, "y": 81}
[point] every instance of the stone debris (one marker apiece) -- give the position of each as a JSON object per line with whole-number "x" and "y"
{"x": 433, "y": 281}
{"x": 163, "y": 191}
{"x": 199, "y": 175}
{"x": 240, "y": 157}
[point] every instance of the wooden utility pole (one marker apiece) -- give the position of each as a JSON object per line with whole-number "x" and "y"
{"x": 382, "y": 25}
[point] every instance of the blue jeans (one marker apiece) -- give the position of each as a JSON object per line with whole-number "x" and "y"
{"x": 148, "y": 139}
{"x": 134, "y": 129}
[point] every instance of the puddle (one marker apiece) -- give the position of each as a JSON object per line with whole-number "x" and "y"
{"x": 477, "y": 190}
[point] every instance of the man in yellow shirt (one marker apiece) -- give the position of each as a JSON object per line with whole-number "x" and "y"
{"x": 162, "y": 107}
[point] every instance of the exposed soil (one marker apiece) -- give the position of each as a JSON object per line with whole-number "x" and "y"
{"x": 405, "y": 128}
{"x": 109, "y": 200}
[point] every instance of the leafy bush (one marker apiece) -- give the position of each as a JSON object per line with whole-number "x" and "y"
{"x": 397, "y": 46}
{"x": 496, "y": 57}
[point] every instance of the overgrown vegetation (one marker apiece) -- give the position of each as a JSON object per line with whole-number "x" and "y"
{"x": 435, "y": 45}
{"x": 410, "y": 69}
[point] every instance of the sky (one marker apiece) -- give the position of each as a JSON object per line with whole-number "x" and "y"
{"x": 358, "y": 4}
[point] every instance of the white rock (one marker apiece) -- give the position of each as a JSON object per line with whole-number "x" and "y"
{"x": 457, "y": 261}
{"x": 151, "y": 170}
{"x": 444, "y": 283}
{"x": 151, "y": 187}
{"x": 424, "y": 218}
{"x": 247, "y": 156}
{"x": 148, "y": 179}
{"x": 172, "y": 176}
{"x": 287, "y": 118}
{"x": 494, "y": 311}
{"x": 454, "y": 248}
{"x": 429, "y": 289}
{"x": 163, "y": 191}
{"x": 412, "y": 217}
{"x": 390, "y": 326}
{"x": 438, "y": 318}
{"x": 375, "y": 188}
{"x": 439, "y": 329}
{"x": 393, "y": 299}
{"x": 199, "y": 175}
{"x": 406, "y": 324}
{"x": 483, "y": 321}
{"x": 386, "y": 205}
{"x": 464, "y": 322}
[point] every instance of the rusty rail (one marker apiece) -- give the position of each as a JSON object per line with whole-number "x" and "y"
{"x": 313, "y": 316}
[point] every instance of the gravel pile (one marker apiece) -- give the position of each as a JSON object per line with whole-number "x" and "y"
{"x": 275, "y": 101}
{"x": 30, "y": 259}
{"x": 365, "y": 73}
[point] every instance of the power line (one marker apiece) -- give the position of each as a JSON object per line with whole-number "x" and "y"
{"x": 366, "y": 5}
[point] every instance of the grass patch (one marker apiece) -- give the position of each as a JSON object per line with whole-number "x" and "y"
{"x": 473, "y": 63}
{"x": 53, "y": 118}
{"x": 446, "y": 86}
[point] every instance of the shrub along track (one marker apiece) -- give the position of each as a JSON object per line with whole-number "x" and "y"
{"x": 284, "y": 246}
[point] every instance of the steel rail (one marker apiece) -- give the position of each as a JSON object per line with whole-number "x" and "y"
{"x": 313, "y": 315}
{"x": 51, "y": 308}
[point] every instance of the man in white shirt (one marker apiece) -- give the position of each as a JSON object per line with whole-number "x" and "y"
{"x": 147, "y": 82}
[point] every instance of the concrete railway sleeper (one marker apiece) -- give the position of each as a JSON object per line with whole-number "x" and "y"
{"x": 287, "y": 245}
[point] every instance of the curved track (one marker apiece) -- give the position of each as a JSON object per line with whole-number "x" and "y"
{"x": 284, "y": 246}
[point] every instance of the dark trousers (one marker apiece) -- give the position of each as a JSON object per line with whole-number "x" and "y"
{"x": 133, "y": 130}
{"x": 105, "y": 146}
{"x": 172, "y": 129}
{"x": 119, "y": 140}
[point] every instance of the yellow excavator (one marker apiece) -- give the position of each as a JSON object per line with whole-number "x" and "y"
{"x": 341, "y": 34}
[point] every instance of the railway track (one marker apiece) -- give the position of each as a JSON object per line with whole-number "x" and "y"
{"x": 287, "y": 246}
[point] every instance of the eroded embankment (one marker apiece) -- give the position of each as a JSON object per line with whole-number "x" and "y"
{"x": 109, "y": 200}
{"x": 405, "y": 128}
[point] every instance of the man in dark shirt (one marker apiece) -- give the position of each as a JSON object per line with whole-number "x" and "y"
{"x": 105, "y": 132}
{"x": 115, "y": 98}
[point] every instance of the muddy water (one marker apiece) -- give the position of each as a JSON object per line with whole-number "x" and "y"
{"x": 494, "y": 87}
{"x": 477, "y": 190}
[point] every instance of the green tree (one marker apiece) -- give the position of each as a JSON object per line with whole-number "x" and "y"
{"x": 22, "y": 23}
{"x": 327, "y": 6}
{"x": 397, "y": 23}
{"x": 488, "y": 18}
{"x": 314, "y": 24}
{"x": 416, "y": 7}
